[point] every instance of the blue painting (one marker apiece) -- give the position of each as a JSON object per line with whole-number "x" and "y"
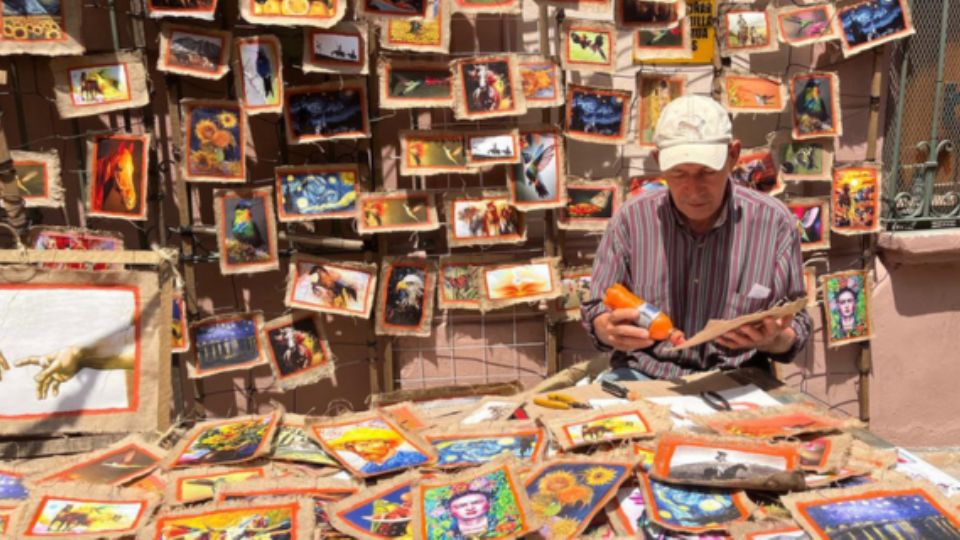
{"x": 222, "y": 344}
{"x": 477, "y": 450}
{"x": 567, "y": 495}
{"x": 911, "y": 514}
{"x": 871, "y": 21}
{"x": 11, "y": 487}
{"x": 595, "y": 113}
{"x": 318, "y": 193}
{"x": 327, "y": 113}
{"x": 31, "y": 7}
{"x": 216, "y": 145}
{"x": 386, "y": 515}
{"x": 693, "y": 508}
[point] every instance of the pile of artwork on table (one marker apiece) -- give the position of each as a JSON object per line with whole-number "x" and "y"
{"x": 495, "y": 467}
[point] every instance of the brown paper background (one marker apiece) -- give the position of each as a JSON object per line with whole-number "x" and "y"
{"x": 166, "y": 31}
{"x": 360, "y": 29}
{"x": 193, "y": 369}
{"x": 425, "y": 328}
{"x": 71, "y": 45}
{"x": 55, "y": 190}
{"x": 136, "y": 82}
{"x": 222, "y": 221}
{"x": 370, "y": 269}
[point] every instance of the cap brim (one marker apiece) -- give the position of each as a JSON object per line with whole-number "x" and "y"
{"x": 713, "y": 156}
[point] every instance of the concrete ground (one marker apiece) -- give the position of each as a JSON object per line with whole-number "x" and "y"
{"x": 946, "y": 459}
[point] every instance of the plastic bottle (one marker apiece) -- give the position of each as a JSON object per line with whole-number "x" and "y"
{"x": 655, "y": 321}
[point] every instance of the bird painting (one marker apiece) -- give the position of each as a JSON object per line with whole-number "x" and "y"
{"x": 246, "y": 241}
{"x": 813, "y": 113}
{"x": 596, "y": 45}
{"x": 405, "y": 298}
{"x": 538, "y": 156}
{"x": 265, "y": 71}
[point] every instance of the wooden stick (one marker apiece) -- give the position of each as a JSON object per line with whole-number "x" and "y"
{"x": 30, "y": 256}
{"x": 311, "y": 240}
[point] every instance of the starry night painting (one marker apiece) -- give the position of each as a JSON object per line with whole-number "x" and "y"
{"x": 693, "y": 509}
{"x": 225, "y": 343}
{"x": 11, "y": 487}
{"x": 879, "y": 516}
{"x": 871, "y": 21}
{"x": 324, "y": 114}
{"x": 599, "y": 114}
{"x": 479, "y": 450}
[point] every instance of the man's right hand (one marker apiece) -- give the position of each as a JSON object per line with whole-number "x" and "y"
{"x": 617, "y": 329}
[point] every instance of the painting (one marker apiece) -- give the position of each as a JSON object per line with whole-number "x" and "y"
{"x": 179, "y": 324}
{"x": 492, "y": 147}
{"x": 590, "y": 204}
{"x": 47, "y": 238}
{"x": 226, "y": 343}
{"x": 567, "y": 493}
{"x": 327, "y": 111}
{"x": 855, "y": 200}
{"x": 315, "y": 192}
{"x": 341, "y": 49}
{"x": 85, "y": 512}
{"x": 195, "y": 9}
{"x": 485, "y": 502}
{"x": 646, "y": 184}
{"x": 846, "y": 300}
{"x": 825, "y": 454}
{"x": 588, "y": 46}
{"x": 215, "y": 139}
{"x": 693, "y": 509}
{"x": 575, "y": 283}
{"x": 519, "y": 283}
{"x": 194, "y": 51}
{"x": 405, "y": 303}
{"x": 340, "y": 288}
{"x": 316, "y": 13}
{"x": 293, "y": 444}
{"x": 12, "y": 486}
{"x": 650, "y": 14}
{"x": 656, "y": 91}
{"x": 540, "y": 79}
{"x": 487, "y": 87}
{"x": 41, "y": 27}
{"x": 258, "y": 74}
{"x": 663, "y": 43}
{"x": 286, "y": 518}
{"x": 868, "y": 24}
{"x": 38, "y": 178}
{"x": 813, "y": 225}
{"x": 703, "y": 19}
{"x": 883, "y": 510}
{"x": 397, "y": 211}
{"x": 753, "y": 94}
{"x": 748, "y": 31}
{"x": 756, "y": 169}
{"x": 371, "y": 444}
{"x": 431, "y": 35}
{"x": 521, "y": 441}
{"x": 537, "y": 181}
{"x": 461, "y": 282}
{"x": 628, "y": 516}
{"x": 617, "y": 423}
{"x": 246, "y": 230}
{"x": 297, "y": 351}
{"x": 118, "y": 166}
{"x": 429, "y": 152}
{"x": 406, "y": 84}
{"x": 487, "y": 6}
{"x": 91, "y": 85}
{"x": 219, "y": 442}
{"x": 99, "y": 371}
{"x": 597, "y": 115}
{"x": 806, "y": 160}
{"x": 321, "y": 492}
{"x": 118, "y": 464}
{"x": 802, "y": 25}
{"x": 391, "y": 9}
{"x": 773, "y": 422}
{"x": 816, "y": 105}
{"x": 483, "y": 219}
{"x": 488, "y": 411}
{"x": 710, "y": 461}
{"x": 381, "y": 511}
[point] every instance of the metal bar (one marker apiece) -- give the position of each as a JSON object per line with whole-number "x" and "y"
{"x": 894, "y": 175}
{"x": 933, "y": 146}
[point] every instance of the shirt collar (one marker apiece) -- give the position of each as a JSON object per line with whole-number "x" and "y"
{"x": 725, "y": 210}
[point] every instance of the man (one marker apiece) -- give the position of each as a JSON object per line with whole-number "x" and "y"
{"x": 702, "y": 249}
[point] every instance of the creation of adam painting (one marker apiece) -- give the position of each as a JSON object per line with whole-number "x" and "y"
{"x": 118, "y": 176}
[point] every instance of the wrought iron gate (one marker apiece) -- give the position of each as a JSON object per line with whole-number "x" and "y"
{"x": 920, "y": 154}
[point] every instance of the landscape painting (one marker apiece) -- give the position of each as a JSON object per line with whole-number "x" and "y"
{"x": 227, "y": 343}
{"x": 194, "y": 51}
{"x": 597, "y": 115}
{"x": 341, "y": 49}
{"x": 487, "y": 148}
{"x": 326, "y": 111}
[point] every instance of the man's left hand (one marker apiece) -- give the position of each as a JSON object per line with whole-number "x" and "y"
{"x": 771, "y": 335}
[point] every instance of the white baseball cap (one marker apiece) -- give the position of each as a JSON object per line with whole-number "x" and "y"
{"x": 693, "y": 129}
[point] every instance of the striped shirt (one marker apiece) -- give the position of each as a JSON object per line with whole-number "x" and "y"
{"x": 753, "y": 248}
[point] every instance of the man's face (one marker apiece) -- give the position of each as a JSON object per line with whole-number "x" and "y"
{"x": 375, "y": 450}
{"x": 698, "y": 191}
{"x": 469, "y": 506}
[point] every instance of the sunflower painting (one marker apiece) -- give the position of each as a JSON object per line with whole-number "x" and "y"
{"x": 215, "y": 142}
{"x": 40, "y": 27}
{"x": 567, "y": 494}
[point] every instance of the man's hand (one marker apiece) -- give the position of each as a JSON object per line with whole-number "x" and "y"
{"x": 771, "y": 335}
{"x": 617, "y": 329}
{"x": 57, "y": 368}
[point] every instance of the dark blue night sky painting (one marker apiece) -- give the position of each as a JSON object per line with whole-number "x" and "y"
{"x": 483, "y": 449}
{"x": 11, "y": 487}
{"x": 599, "y": 114}
{"x": 326, "y": 113}
{"x": 31, "y": 7}
{"x": 226, "y": 343}
{"x": 872, "y": 21}
{"x": 897, "y": 517}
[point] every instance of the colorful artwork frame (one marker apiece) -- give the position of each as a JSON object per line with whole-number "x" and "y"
{"x": 138, "y": 457}
{"x": 245, "y": 330}
{"x": 374, "y": 207}
{"x": 297, "y": 511}
{"x": 853, "y": 214}
{"x": 471, "y": 212}
{"x": 397, "y": 75}
{"x": 654, "y": 92}
{"x": 575, "y": 126}
{"x": 297, "y": 185}
{"x": 522, "y": 442}
{"x": 187, "y": 453}
{"x": 756, "y": 168}
{"x": 81, "y": 83}
{"x": 598, "y": 426}
{"x": 184, "y": 61}
{"x": 850, "y": 41}
{"x": 587, "y": 208}
{"x": 812, "y": 215}
{"x": 203, "y": 143}
{"x": 205, "y": 9}
{"x": 461, "y": 272}
{"x": 650, "y": 20}
{"x": 292, "y": 443}
{"x": 234, "y": 240}
{"x": 105, "y": 172}
{"x": 299, "y": 280}
{"x": 354, "y": 62}
{"x": 306, "y": 358}
{"x": 470, "y": 103}
{"x": 581, "y": 38}
{"x": 788, "y": 421}
{"x": 61, "y": 31}
{"x": 28, "y": 166}
{"x": 479, "y": 156}
{"x": 542, "y": 163}
{"x": 855, "y": 283}
{"x": 769, "y": 95}
{"x": 418, "y": 158}
{"x": 399, "y": 313}
{"x": 520, "y": 283}
{"x": 432, "y": 35}
{"x": 805, "y": 160}
{"x": 369, "y": 10}
{"x": 572, "y": 279}
{"x": 69, "y": 238}
{"x": 353, "y": 89}
{"x": 179, "y": 323}
{"x": 379, "y": 512}
{"x": 746, "y": 39}
{"x": 275, "y": 12}
{"x": 803, "y": 127}
{"x": 541, "y": 82}
{"x": 678, "y": 44}
{"x": 131, "y": 508}
{"x": 735, "y": 505}
{"x": 793, "y": 24}
{"x": 255, "y": 98}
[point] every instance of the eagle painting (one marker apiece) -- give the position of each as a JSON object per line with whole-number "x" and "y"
{"x": 405, "y": 295}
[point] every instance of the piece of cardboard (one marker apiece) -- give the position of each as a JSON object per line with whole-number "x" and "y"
{"x": 716, "y": 327}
